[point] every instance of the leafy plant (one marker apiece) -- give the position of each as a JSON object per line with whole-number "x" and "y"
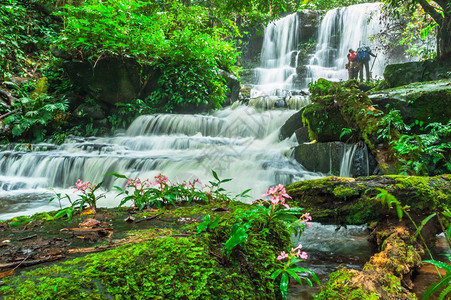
{"x": 146, "y": 193}
{"x": 178, "y": 44}
{"x": 345, "y": 131}
{"x": 88, "y": 193}
{"x": 392, "y": 120}
{"x": 33, "y": 117}
{"x": 425, "y": 153}
{"x": 208, "y": 223}
{"x": 238, "y": 236}
{"x": 289, "y": 269}
{"x": 443, "y": 287}
{"x": 276, "y": 208}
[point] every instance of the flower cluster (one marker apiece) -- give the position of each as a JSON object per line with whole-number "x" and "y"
{"x": 87, "y": 195}
{"x": 277, "y": 195}
{"x": 82, "y": 186}
{"x": 306, "y": 218}
{"x": 137, "y": 183}
{"x": 295, "y": 252}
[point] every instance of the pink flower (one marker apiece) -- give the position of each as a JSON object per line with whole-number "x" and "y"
{"x": 129, "y": 182}
{"x": 302, "y": 255}
{"x": 277, "y": 195}
{"x": 282, "y": 255}
{"x": 306, "y": 218}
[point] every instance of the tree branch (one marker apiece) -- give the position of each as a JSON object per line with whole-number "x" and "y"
{"x": 431, "y": 11}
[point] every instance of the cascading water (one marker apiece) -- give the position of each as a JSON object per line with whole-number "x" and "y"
{"x": 276, "y": 75}
{"x": 240, "y": 143}
{"x": 346, "y": 162}
{"x": 347, "y": 28}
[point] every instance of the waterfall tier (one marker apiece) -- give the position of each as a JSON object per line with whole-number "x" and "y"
{"x": 240, "y": 143}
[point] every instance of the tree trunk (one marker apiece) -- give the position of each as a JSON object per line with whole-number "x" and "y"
{"x": 444, "y": 39}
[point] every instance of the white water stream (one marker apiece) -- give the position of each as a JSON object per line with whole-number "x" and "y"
{"x": 240, "y": 143}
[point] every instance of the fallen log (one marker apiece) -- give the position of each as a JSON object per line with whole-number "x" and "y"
{"x": 27, "y": 263}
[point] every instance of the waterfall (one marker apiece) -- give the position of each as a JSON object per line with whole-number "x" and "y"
{"x": 346, "y": 162}
{"x": 277, "y": 73}
{"x": 342, "y": 29}
{"x": 355, "y": 160}
{"x": 241, "y": 144}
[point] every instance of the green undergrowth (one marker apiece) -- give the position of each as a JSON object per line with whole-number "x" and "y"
{"x": 167, "y": 261}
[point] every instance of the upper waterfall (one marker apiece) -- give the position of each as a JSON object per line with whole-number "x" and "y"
{"x": 282, "y": 70}
{"x": 278, "y": 57}
{"x": 347, "y": 28}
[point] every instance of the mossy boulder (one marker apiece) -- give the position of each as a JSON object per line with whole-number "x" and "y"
{"x": 387, "y": 275}
{"x": 354, "y": 201}
{"x": 406, "y": 73}
{"x": 325, "y": 123}
{"x": 422, "y": 101}
{"x": 161, "y": 258}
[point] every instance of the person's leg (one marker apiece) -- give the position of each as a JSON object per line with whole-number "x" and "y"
{"x": 361, "y": 71}
{"x": 367, "y": 70}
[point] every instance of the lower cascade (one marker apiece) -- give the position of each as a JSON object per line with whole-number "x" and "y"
{"x": 240, "y": 143}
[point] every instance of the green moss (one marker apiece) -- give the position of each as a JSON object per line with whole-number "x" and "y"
{"x": 391, "y": 284}
{"x": 171, "y": 264}
{"x": 345, "y": 192}
{"x": 339, "y": 287}
{"x": 355, "y": 201}
{"x": 325, "y": 123}
{"x": 162, "y": 268}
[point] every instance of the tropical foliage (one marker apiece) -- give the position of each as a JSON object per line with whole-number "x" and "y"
{"x": 430, "y": 14}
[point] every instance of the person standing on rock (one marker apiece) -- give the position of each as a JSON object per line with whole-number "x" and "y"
{"x": 352, "y": 65}
{"x": 363, "y": 58}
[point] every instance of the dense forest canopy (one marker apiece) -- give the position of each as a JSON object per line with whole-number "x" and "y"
{"x": 439, "y": 11}
{"x": 188, "y": 42}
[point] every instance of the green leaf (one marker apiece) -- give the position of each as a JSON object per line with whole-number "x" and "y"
{"x": 116, "y": 175}
{"x": 284, "y": 280}
{"x": 294, "y": 275}
{"x": 439, "y": 264}
{"x": 399, "y": 211}
{"x": 276, "y": 273}
{"x": 423, "y": 222}
{"x": 215, "y": 175}
{"x": 237, "y": 236}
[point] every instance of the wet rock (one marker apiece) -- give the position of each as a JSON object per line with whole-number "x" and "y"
{"x": 111, "y": 80}
{"x": 302, "y": 135}
{"x": 402, "y": 74}
{"x": 234, "y": 87}
{"x": 328, "y": 158}
{"x": 427, "y": 101}
{"x": 354, "y": 201}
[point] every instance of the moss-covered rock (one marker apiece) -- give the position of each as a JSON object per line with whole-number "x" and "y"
{"x": 165, "y": 260}
{"x": 325, "y": 123}
{"x": 354, "y": 201}
{"x": 387, "y": 275}
{"x": 341, "y": 105}
{"x": 402, "y": 74}
{"x": 425, "y": 101}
